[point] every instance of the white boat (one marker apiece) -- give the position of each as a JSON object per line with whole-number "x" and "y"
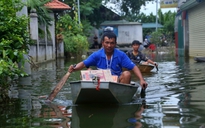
{"x": 89, "y": 92}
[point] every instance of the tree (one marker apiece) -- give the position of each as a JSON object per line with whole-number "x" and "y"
{"x": 87, "y": 10}
{"x": 167, "y": 20}
{"x": 129, "y": 7}
{"x": 94, "y": 12}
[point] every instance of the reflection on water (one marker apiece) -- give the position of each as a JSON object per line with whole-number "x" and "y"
{"x": 103, "y": 116}
{"x": 174, "y": 98}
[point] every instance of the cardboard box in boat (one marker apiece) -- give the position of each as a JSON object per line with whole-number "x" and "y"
{"x": 103, "y": 75}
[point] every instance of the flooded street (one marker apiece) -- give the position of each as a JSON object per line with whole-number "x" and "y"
{"x": 174, "y": 99}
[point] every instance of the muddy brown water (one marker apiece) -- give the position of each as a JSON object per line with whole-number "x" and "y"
{"x": 174, "y": 99}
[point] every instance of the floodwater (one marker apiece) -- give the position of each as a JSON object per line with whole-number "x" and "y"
{"x": 174, "y": 99}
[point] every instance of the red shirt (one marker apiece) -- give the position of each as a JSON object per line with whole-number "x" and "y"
{"x": 152, "y": 47}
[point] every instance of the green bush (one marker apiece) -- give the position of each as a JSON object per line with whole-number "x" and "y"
{"x": 74, "y": 39}
{"x": 156, "y": 38}
{"x": 75, "y": 43}
{"x": 14, "y": 41}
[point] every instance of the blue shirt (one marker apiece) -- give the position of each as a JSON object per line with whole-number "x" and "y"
{"x": 118, "y": 61}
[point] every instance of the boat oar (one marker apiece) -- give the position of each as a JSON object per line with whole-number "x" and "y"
{"x": 142, "y": 93}
{"x": 156, "y": 66}
{"x": 58, "y": 87}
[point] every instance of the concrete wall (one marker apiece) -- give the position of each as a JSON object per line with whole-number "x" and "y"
{"x": 60, "y": 49}
{"x": 26, "y": 65}
{"x": 46, "y": 53}
{"x": 128, "y": 33}
{"x": 32, "y": 52}
{"x": 53, "y": 39}
{"x": 45, "y": 48}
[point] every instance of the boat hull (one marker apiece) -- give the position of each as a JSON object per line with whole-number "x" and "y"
{"x": 199, "y": 59}
{"x": 85, "y": 92}
{"x": 145, "y": 68}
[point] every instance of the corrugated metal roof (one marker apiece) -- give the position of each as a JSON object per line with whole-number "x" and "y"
{"x": 57, "y": 5}
{"x": 119, "y": 22}
{"x": 112, "y": 6}
{"x": 190, "y": 4}
{"x": 151, "y": 25}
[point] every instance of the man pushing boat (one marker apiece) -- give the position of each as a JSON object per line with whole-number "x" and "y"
{"x": 109, "y": 57}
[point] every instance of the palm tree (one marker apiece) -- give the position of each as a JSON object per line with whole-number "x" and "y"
{"x": 41, "y": 10}
{"x": 43, "y": 14}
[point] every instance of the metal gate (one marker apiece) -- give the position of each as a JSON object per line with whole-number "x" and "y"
{"x": 197, "y": 30}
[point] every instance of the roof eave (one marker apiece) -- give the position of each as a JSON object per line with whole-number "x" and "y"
{"x": 58, "y": 9}
{"x": 190, "y": 4}
{"x": 61, "y": 6}
{"x": 121, "y": 22}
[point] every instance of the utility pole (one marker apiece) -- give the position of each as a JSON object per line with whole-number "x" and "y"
{"x": 156, "y": 15}
{"x": 78, "y": 11}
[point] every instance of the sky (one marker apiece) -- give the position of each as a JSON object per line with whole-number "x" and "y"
{"x": 147, "y": 9}
{"x": 151, "y": 7}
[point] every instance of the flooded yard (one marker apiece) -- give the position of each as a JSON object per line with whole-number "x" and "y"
{"x": 174, "y": 99}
